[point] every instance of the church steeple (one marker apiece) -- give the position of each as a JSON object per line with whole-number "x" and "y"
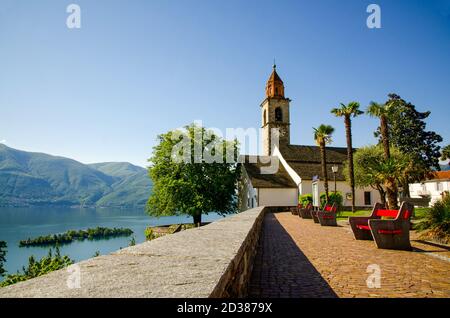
{"x": 275, "y": 114}
{"x": 274, "y": 86}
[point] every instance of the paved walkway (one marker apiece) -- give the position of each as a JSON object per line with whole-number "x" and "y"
{"x": 297, "y": 258}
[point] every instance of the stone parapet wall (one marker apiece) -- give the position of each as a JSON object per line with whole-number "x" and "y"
{"x": 212, "y": 261}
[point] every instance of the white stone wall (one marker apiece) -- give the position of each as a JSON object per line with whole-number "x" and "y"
{"x": 277, "y": 197}
{"x": 248, "y": 196}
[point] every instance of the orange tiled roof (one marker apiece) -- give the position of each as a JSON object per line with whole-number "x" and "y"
{"x": 439, "y": 175}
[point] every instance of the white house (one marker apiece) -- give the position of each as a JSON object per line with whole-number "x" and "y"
{"x": 299, "y": 166}
{"x": 434, "y": 188}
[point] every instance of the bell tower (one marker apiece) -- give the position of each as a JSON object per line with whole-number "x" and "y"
{"x": 275, "y": 114}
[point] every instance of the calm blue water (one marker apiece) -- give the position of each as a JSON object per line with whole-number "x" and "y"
{"x": 20, "y": 223}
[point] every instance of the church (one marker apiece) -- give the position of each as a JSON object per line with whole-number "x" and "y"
{"x": 299, "y": 166}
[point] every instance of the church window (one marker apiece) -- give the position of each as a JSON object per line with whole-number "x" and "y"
{"x": 265, "y": 118}
{"x": 278, "y": 114}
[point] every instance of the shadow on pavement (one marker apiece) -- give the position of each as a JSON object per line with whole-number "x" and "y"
{"x": 281, "y": 270}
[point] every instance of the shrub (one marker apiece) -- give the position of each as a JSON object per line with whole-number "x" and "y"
{"x": 306, "y": 199}
{"x": 3, "y": 247}
{"x": 335, "y": 198}
{"x": 149, "y": 235}
{"x": 437, "y": 222}
{"x": 35, "y": 268}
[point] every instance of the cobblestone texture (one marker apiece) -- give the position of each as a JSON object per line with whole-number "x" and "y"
{"x": 297, "y": 258}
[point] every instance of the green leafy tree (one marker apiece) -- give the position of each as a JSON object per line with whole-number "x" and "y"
{"x": 322, "y": 136}
{"x": 383, "y": 111}
{"x": 185, "y": 181}
{"x": 446, "y": 153}
{"x": 3, "y": 247}
{"x": 408, "y": 133}
{"x": 348, "y": 111}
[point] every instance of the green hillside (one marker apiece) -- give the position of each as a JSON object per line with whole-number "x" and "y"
{"x": 132, "y": 185}
{"x": 28, "y": 179}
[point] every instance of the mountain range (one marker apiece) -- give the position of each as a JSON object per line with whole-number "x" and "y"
{"x": 36, "y": 179}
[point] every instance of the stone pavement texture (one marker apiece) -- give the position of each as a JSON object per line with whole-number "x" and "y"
{"x": 297, "y": 258}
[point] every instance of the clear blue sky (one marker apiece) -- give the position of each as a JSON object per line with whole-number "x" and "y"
{"x": 139, "y": 68}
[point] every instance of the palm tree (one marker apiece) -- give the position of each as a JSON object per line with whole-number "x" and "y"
{"x": 381, "y": 111}
{"x": 349, "y": 111}
{"x": 322, "y": 136}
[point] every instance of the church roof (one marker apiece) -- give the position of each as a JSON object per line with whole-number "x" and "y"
{"x": 306, "y": 160}
{"x": 307, "y": 171}
{"x": 274, "y": 86}
{"x": 280, "y": 179}
{"x": 312, "y": 153}
{"x": 274, "y": 77}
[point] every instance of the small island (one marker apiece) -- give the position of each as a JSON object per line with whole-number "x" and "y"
{"x": 80, "y": 235}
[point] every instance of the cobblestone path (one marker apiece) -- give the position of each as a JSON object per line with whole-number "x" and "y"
{"x": 297, "y": 258}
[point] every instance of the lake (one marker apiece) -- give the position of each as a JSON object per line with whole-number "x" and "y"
{"x": 21, "y": 223}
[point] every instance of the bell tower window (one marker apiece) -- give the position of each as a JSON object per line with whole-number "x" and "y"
{"x": 278, "y": 114}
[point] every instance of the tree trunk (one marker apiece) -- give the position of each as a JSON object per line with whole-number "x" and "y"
{"x": 197, "y": 219}
{"x": 323, "y": 156}
{"x": 382, "y": 194}
{"x": 390, "y": 183}
{"x": 348, "y": 132}
{"x": 392, "y": 193}
{"x": 406, "y": 193}
{"x": 385, "y": 136}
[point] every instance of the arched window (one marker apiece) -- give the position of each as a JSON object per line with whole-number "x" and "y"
{"x": 278, "y": 114}
{"x": 264, "y": 117}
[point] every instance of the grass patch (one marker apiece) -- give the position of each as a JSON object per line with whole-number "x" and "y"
{"x": 420, "y": 213}
{"x": 345, "y": 214}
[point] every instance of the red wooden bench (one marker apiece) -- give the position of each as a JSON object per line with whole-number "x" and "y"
{"x": 305, "y": 213}
{"x": 389, "y": 228}
{"x": 313, "y": 213}
{"x": 327, "y": 217}
{"x": 294, "y": 210}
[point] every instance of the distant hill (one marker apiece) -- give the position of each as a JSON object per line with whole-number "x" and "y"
{"x": 28, "y": 179}
{"x": 445, "y": 167}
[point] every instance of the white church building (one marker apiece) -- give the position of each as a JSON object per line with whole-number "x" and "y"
{"x": 299, "y": 166}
